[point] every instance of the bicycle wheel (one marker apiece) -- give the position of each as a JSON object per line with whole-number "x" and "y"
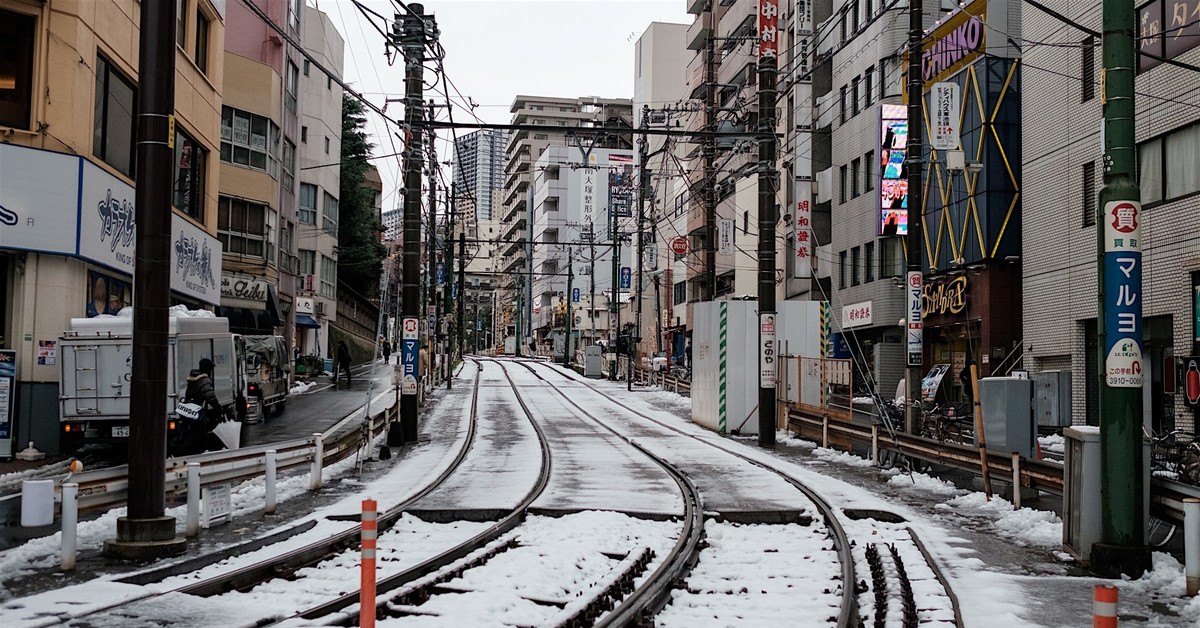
{"x": 1159, "y": 532}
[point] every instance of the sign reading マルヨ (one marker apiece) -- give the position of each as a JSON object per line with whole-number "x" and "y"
{"x": 1123, "y": 363}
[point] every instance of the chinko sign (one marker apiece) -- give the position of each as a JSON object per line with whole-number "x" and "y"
{"x": 954, "y": 44}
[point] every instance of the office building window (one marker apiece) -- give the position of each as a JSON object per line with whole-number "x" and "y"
{"x": 249, "y": 140}
{"x": 842, "y": 269}
{"x": 289, "y": 166}
{"x": 293, "y": 79}
{"x": 16, "y": 68}
{"x": 307, "y": 262}
{"x": 679, "y": 293}
{"x": 1089, "y": 194}
{"x": 294, "y": 8}
{"x": 842, "y": 105}
{"x": 303, "y": 135}
{"x": 854, "y": 96}
{"x": 868, "y": 88}
{"x": 326, "y": 144}
{"x": 287, "y": 260}
{"x": 869, "y": 171}
{"x": 329, "y": 214}
{"x": 328, "y": 277}
{"x": 308, "y": 204}
{"x": 842, "y": 190}
{"x": 854, "y": 263}
{"x": 307, "y": 63}
{"x": 1169, "y": 165}
{"x": 116, "y": 108}
{"x": 242, "y": 226}
{"x": 891, "y": 258}
{"x": 1087, "y": 69}
{"x": 868, "y": 262}
{"x": 203, "y": 25}
{"x": 855, "y": 173}
{"x": 188, "y": 182}
{"x": 181, "y": 23}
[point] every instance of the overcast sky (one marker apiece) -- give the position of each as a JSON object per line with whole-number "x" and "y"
{"x": 496, "y": 49}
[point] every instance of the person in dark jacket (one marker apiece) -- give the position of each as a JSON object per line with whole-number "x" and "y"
{"x": 343, "y": 363}
{"x": 200, "y": 391}
{"x": 387, "y": 351}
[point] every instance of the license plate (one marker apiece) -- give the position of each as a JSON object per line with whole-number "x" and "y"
{"x": 120, "y": 431}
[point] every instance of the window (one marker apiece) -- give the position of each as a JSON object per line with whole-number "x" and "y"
{"x": 328, "y": 277}
{"x": 242, "y": 226}
{"x": 308, "y": 204}
{"x": 249, "y": 140}
{"x": 188, "y": 180}
{"x": 854, "y": 96}
{"x": 293, "y": 78}
{"x": 842, "y": 269}
{"x": 1169, "y": 165}
{"x": 868, "y": 88}
{"x": 289, "y": 166}
{"x": 868, "y": 10}
{"x": 1087, "y": 70}
{"x": 181, "y": 23}
{"x": 329, "y": 82}
{"x": 889, "y": 77}
{"x": 842, "y": 194}
{"x": 746, "y": 222}
{"x": 303, "y": 135}
{"x": 869, "y": 262}
{"x": 329, "y": 214}
{"x": 541, "y": 136}
{"x": 854, "y": 262}
{"x": 272, "y": 227}
{"x": 326, "y": 144}
{"x": 842, "y": 26}
{"x": 294, "y": 14}
{"x": 286, "y": 258}
{"x": 202, "y": 28}
{"x": 307, "y": 262}
{"x": 869, "y": 171}
{"x": 1089, "y": 194}
{"x": 679, "y": 293}
{"x": 855, "y": 173}
{"x": 854, "y": 16}
{"x": 116, "y": 108}
{"x": 16, "y": 69}
{"x": 306, "y": 64}
{"x": 891, "y": 258}
{"x": 1150, "y": 170}
{"x": 842, "y": 105}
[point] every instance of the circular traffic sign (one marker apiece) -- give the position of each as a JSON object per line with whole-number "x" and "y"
{"x": 679, "y": 245}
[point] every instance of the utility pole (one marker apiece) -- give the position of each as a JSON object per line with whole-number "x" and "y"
{"x": 615, "y": 301}
{"x": 1119, "y": 284}
{"x": 591, "y": 238}
{"x": 517, "y": 337}
{"x": 912, "y": 245}
{"x": 768, "y": 180}
{"x": 449, "y": 291}
{"x": 435, "y": 330}
{"x": 146, "y": 533}
{"x": 643, "y": 189}
{"x": 460, "y": 328}
{"x": 411, "y": 41}
{"x": 570, "y": 307}
{"x": 710, "y": 150}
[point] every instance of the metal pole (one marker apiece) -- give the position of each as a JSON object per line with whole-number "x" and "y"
{"x": 145, "y": 532}
{"x": 435, "y": 330}
{"x": 710, "y": 150}
{"x": 591, "y": 236}
{"x": 412, "y": 43}
{"x": 768, "y": 181}
{"x": 570, "y": 307}
{"x": 517, "y": 337}
{"x": 643, "y": 189}
{"x": 462, "y": 291}
{"x": 912, "y": 245}
{"x": 1119, "y": 286}
{"x": 615, "y": 301}
{"x": 448, "y": 291}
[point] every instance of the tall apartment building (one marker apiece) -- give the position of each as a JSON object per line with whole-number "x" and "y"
{"x": 68, "y": 99}
{"x": 320, "y": 183}
{"x": 1063, "y": 166}
{"x": 479, "y": 170}
{"x": 558, "y": 116}
{"x": 259, "y": 133}
{"x": 660, "y": 77}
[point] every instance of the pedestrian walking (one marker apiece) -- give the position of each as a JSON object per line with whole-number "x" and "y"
{"x": 343, "y": 364}
{"x": 387, "y": 351}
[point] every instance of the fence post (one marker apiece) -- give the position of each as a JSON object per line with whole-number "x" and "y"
{"x": 875, "y": 444}
{"x": 1016, "y": 479}
{"x": 825, "y": 431}
{"x": 314, "y": 474}
{"x": 70, "y": 520}
{"x": 1191, "y": 544}
{"x": 370, "y": 532}
{"x": 193, "y": 499}
{"x": 270, "y": 508}
{"x": 1104, "y": 606}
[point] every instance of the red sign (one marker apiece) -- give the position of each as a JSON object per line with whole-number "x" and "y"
{"x": 1124, "y": 217}
{"x": 768, "y": 28}
{"x": 679, "y": 245}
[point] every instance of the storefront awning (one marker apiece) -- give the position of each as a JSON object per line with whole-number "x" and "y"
{"x": 304, "y": 320}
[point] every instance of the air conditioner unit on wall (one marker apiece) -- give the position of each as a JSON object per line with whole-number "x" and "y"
{"x": 320, "y": 308}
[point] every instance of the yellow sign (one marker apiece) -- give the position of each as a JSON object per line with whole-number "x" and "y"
{"x": 171, "y": 132}
{"x": 944, "y": 297}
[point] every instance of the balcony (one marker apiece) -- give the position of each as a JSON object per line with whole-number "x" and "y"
{"x": 699, "y": 32}
{"x": 696, "y": 7}
{"x": 515, "y": 230}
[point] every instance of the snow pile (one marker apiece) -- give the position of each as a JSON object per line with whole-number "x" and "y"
{"x": 182, "y": 311}
{"x": 867, "y": 400}
{"x": 1166, "y": 582}
{"x": 923, "y": 483}
{"x": 1037, "y": 527}
{"x": 841, "y": 457}
{"x": 300, "y": 388}
{"x": 13, "y": 480}
{"x": 1052, "y": 444}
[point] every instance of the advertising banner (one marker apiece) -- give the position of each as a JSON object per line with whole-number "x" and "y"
{"x": 724, "y": 236}
{"x": 1123, "y": 363}
{"x": 39, "y": 200}
{"x": 804, "y": 244}
{"x": 945, "y": 116}
{"x": 8, "y": 378}
{"x": 893, "y": 185}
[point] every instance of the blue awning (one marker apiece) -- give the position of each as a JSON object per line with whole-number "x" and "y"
{"x": 304, "y": 320}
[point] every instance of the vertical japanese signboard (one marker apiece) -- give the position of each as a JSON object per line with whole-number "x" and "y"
{"x": 766, "y": 340}
{"x": 409, "y": 355}
{"x": 804, "y": 247}
{"x": 587, "y": 196}
{"x": 768, "y": 28}
{"x": 893, "y": 185}
{"x": 8, "y": 377}
{"x": 724, "y": 236}
{"x": 1123, "y": 365}
{"x": 945, "y": 116}
{"x": 914, "y": 286}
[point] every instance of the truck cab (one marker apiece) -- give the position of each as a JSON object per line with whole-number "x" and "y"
{"x": 267, "y": 376}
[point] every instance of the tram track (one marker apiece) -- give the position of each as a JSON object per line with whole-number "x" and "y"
{"x": 890, "y": 585}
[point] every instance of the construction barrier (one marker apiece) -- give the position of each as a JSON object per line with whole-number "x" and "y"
{"x": 1104, "y": 606}
{"x": 370, "y": 532}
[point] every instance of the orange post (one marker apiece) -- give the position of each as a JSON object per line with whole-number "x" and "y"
{"x": 1104, "y": 606}
{"x": 366, "y": 599}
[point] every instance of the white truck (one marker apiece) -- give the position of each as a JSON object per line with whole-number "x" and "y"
{"x": 96, "y": 367}
{"x": 267, "y": 376}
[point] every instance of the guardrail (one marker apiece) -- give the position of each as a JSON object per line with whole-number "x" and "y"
{"x": 664, "y": 380}
{"x": 106, "y": 488}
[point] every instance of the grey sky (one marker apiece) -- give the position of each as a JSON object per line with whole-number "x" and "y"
{"x": 496, "y": 49}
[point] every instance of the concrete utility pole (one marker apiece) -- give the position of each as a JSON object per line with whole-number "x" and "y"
{"x": 591, "y": 238}
{"x": 710, "y": 175}
{"x": 461, "y": 299}
{"x": 1119, "y": 282}
{"x": 517, "y": 337}
{"x": 914, "y": 158}
{"x": 570, "y": 307}
{"x": 146, "y": 533}
{"x": 643, "y": 190}
{"x": 449, "y": 291}
{"x": 411, "y": 40}
{"x": 615, "y": 301}
{"x": 432, "y": 253}
{"x": 768, "y": 182}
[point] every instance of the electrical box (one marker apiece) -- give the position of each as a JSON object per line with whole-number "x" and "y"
{"x": 1007, "y": 415}
{"x": 1052, "y": 398}
{"x": 1082, "y": 505}
{"x": 592, "y": 357}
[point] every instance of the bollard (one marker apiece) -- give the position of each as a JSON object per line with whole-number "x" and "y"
{"x": 70, "y": 519}
{"x": 1104, "y": 606}
{"x": 270, "y": 509}
{"x": 825, "y": 431}
{"x": 1016, "y": 479}
{"x": 1191, "y": 544}
{"x": 366, "y": 599}
{"x": 314, "y": 475}
{"x": 193, "y": 499}
{"x": 875, "y": 445}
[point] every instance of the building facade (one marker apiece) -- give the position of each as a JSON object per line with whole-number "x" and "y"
{"x": 479, "y": 170}
{"x": 1063, "y": 165}
{"x": 68, "y": 102}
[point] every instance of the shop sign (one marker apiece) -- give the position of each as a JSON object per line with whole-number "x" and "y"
{"x": 304, "y": 305}
{"x": 857, "y": 315}
{"x": 804, "y": 245}
{"x": 248, "y": 288}
{"x": 39, "y": 200}
{"x": 768, "y": 28}
{"x": 914, "y": 335}
{"x": 945, "y": 297}
{"x": 1123, "y": 364}
{"x": 766, "y": 340}
{"x": 955, "y": 44}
